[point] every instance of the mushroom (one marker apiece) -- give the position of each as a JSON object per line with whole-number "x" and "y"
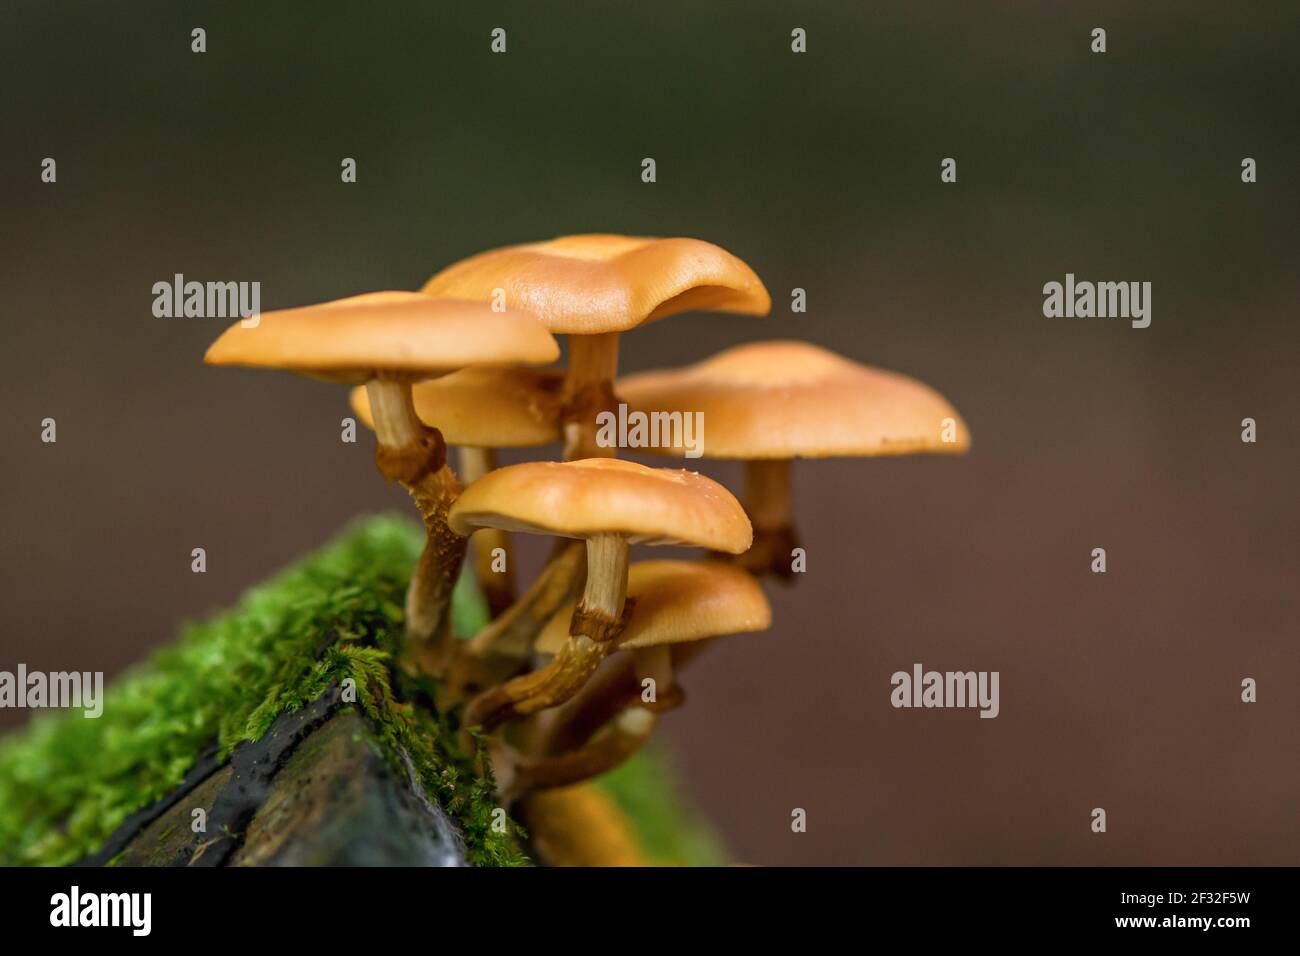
{"x": 387, "y": 340}
{"x": 770, "y": 402}
{"x": 481, "y": 410}
{"x": 610, "y": 503}
{"x": 581, "y": 826}
{"x": 677, "y": 603}
{"x": 594, "y": 287}
{"x": 486, "y": 407}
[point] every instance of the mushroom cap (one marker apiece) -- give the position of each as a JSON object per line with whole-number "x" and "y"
{"x": 486, "y": 407}
{"x": 676, "y": 602}
{"x": 352, "y": 339}
{"x": 791, "y": 399}
{"x": 585, "y": 285}
{"x": 580, "y": 499}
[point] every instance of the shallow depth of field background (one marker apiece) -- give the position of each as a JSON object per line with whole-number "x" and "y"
{"x": 822, "y": 171}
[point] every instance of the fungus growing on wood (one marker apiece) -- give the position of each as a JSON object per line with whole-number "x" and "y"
{"x": 437, "y": 367}
{"x": 480, "y": 410}
{"x": 675, "y": 604}
{"x": 387, "y": 341}
{"x": 610, "y": 504}
{"x": 594, "y": 287}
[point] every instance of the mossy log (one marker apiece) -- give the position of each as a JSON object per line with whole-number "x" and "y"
{"x": 285, "y": 723}
{"x": 313, "y": 792}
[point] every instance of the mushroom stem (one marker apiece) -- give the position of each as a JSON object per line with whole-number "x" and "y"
{"x": 768, "y": 501}
{"x": 498, "y": 586}
{"x": 616, "y": 742}
{"x": 767, "y": 493}
{"x": 411, "y": 453}
{"x": 551, "y": 685}
{"x": 588, "y": 391}
{"x": 428, "y": 599}
{"x": 393, "y": 409}
{"x": 503, "y": 647}
{"x": 614, "y": 687}
{"x": 597, "y": 620}
{"x": 605, "y": 593}
{"x": 656, "y": 664}
{"x": 581, "y": 826}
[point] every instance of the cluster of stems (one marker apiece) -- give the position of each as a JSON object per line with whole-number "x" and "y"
{"x": 555, "y": 722}
{"x": 491, "y": 673}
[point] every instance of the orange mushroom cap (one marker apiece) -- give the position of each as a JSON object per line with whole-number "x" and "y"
{"x": 591, "y": 284}
{"x": 486, "y": 407}
{"x": 678, "y": 602}
{"x": 353, "y": 339}
{"x": 786, "y": 399}
{"x": 599, "y": 496}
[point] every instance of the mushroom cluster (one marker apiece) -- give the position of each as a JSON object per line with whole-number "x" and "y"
{"x": 569, "y": 677}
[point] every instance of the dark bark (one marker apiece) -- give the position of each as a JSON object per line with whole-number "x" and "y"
{"x": 316, "y": 790}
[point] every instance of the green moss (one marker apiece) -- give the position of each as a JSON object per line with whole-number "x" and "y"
{"x": 671, "y": 832}
{"x": 469, "y": 606}
{"x": 67, "y": 782}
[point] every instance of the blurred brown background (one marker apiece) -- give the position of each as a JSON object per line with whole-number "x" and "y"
{"x": 821, "y": 170}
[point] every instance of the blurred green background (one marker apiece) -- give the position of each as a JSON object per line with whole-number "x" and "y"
{"x": 822, "y": 171}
